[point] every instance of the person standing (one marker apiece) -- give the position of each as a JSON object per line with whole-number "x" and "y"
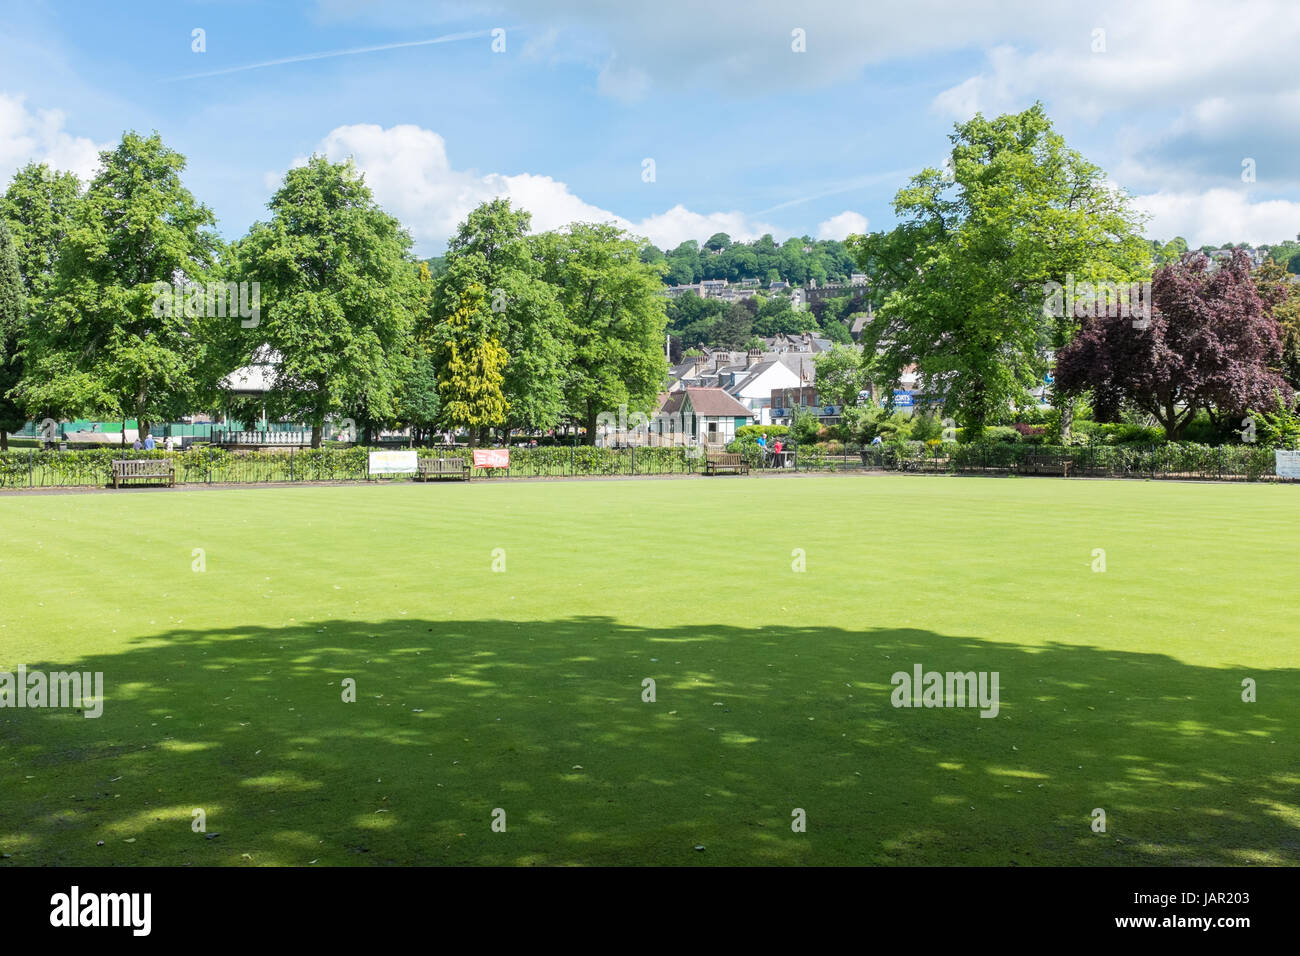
{"x": 149, "y": 443}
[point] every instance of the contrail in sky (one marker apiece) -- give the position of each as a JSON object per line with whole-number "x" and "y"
{"x": 449, "y": 38}
{"x": 856, "y": 184}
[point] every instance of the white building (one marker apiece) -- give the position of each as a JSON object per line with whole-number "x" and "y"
{"x": 753, "y": 387}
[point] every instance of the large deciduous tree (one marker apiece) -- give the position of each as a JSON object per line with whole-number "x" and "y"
{"x": 40, "y": 205}
{"x": 38, "y": 208}
{"x": 965, "y": 269}
{"x": 1210, "y": 344}
{"x": 1282, "y": 298}
{"x": 13, "y": 320}
{"x": 103, "y": 345}
{"x": 840, "y": 376}
{"x": 615, "y": 317}
{"x": 520, "y": 310}
{"x": 338, "y": 293}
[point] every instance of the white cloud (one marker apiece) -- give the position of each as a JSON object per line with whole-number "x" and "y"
{"x": 38, "y": 136}
{"x": 408, "y": 169}
{"x": 1199, "y": 55}
{"x": 1219, "y": 215}
{"x": 1180, "y": 94}
{"x": 845, "y": 224}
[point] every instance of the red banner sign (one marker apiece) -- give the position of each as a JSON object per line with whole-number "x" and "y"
{"x": 492, "y": 458}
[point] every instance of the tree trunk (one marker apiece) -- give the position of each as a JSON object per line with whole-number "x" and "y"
{"x": 317, "y": 431}
{"x": 4, "y": 439}
{"x": 591, "y": 426}
{"x": 1067, "y": 421}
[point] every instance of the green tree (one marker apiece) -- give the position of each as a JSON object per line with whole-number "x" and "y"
{"x": 965, "y": 270}
{"x": 838, "y": 332}
{"x": 1172, "y": 251}
{"x": 419, "y": 401}
{"x": 615, "y": 318}
{"x": 1282, "y": 298}
{"x": 13, "y": 319}
{"x": 471, "y": 366}
{"x": 804, "y": 427}
{"x": 339, "y": 291}
{"x": 840, "y": 375}
{"x": 492, "y": 250}
{"x": 108, "y": 343}
{"x": 40, "y": 205}
{"x": 735, "y": 327}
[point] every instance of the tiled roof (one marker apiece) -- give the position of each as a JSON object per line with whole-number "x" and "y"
{"x": 713, "y": 402}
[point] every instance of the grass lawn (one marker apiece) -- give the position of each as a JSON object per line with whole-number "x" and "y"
{"x": 521, "y": 689}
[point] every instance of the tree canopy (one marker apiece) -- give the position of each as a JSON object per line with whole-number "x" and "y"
{"x": 964, "y": 271}
{"x": 1210, "y": 345}
{"x": 103, "y": 346}
{"x": 339, "y": 292}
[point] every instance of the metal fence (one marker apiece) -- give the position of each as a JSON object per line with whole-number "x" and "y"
{"x": 1177, "y": 462}
{"x": 35, "y": 468}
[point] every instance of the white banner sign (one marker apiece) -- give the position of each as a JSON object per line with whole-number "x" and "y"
{"x": 394, "y": 463}
{"x": 1288, "y": 463}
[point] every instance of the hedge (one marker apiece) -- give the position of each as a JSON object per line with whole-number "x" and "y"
{"x": 207, "y": 465}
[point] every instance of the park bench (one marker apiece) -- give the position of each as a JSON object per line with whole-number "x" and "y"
{"x": 144, "y": 469}
{"x": 430, "y": 468}
{"x": 716, "y": 462}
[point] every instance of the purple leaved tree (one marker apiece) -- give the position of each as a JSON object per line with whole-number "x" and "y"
{"x": 1211, "y": 344}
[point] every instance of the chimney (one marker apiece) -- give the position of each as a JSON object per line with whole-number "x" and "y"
{"x": 753, "y": 358}
{"x": 701, "y": 360}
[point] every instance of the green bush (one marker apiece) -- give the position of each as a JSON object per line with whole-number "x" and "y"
{"x": 805, "y": 427}
{"x": 754, "y": 432}
{"x": 1170, "y": 459}
{"x": 863, "y": 423}
{"x": 1279, "y": 428}
{"x": 1006, "y": 434}
{"x": 921, "y": 427}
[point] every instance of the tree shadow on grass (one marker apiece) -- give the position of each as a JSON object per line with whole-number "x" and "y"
{"x": 545, "y": 720}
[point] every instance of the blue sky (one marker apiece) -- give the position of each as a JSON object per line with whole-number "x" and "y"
{"x": 746, "y": 134}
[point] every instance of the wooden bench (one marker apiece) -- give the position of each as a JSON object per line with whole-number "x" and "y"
{"x": 144, "y": 469}
{"x": 430, "y": 468}
{"x": 716, "y": 462}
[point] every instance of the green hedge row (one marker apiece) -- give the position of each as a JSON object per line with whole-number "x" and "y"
{"x": 1160, "y": 461}
{"x": 93, "y": 468}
